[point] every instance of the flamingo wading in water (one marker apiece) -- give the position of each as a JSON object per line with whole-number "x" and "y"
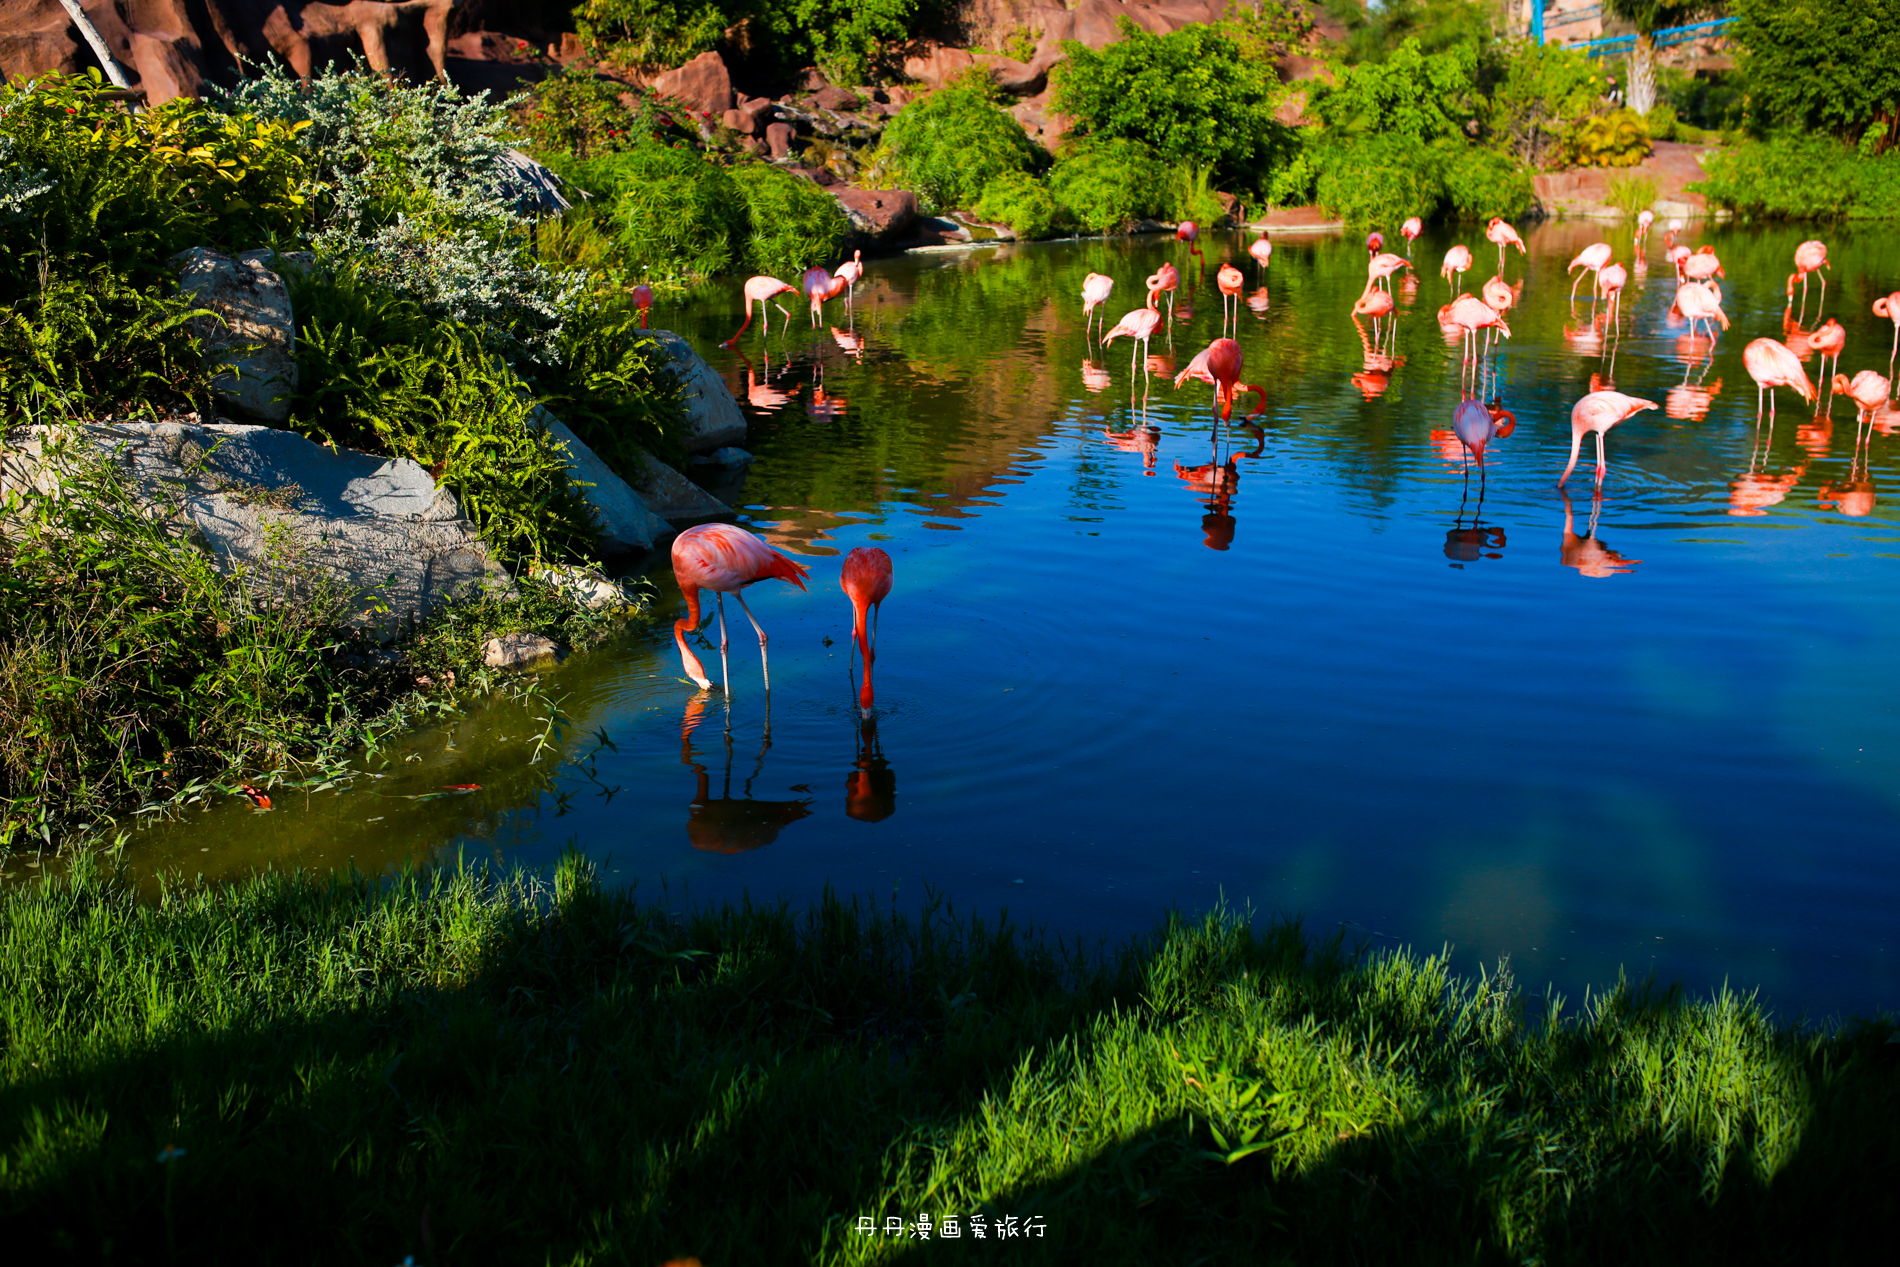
{"x": 1592, "y": 257}
{"x": 1889, "y": 307}
{"x": 1809, "y": 257}
{"x": 1096, "y": 288}
{"x": 1262, "y": 252}
{"x": 758, "y": 290}
{"x": 852, "y": 270}
{"x": 724, "y": 559}
{"x": 1504, "y": 235}
{"x": 866, "y": 581}
{"x": 1457, "y": 260}
{"x": 1773, "y": 364}
{"x": 1598, "y": 412}
{"x": 1138, "y": 326}
{"x": 1410, "y": 231}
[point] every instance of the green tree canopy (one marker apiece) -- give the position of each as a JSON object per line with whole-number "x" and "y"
{"x": 1413, "y": 94}
{"x": 950, "y": 145}
{"x": 1822, "y": 67}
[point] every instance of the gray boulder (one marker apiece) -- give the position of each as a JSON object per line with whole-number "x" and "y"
{"x": 371, "y": 538}
{"x": 517, "y": 650}
{"x": 673, "y": 497}
{"x": 253, "y": 334}
{"x": 710, "y": 409}
{"x": 627, "y": 526}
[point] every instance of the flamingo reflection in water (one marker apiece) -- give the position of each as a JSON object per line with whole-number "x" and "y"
{"x": 1753, "y": 492}
{"x": 870, "y": 790}
{"x": 851, "y": 342}
{"x": 1216, "y": 483}
{"x": 1479, "y": 541}
{"x": 760, "y": 393}
{"x": 725, "y": 823}
{"x": 1095, "y": 378}
{"x": 1143, "y": 438}
{"x": 1855, "y": 495}
{"x": 1687, "y": 401}
{"x": 1587, "y": 554}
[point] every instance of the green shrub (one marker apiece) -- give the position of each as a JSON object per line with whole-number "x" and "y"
{"x": 1294, "y": 181}
{"x": 1379, "y": 179}
{"x": 1660, "y": 123}
{"x": 101, "y": 344}
{"x": 1617, "y": 139}
{"x": 1020, "y": 201}
{"x": 614, "y": 386}
{"x": 1191, "y": 195}
{"x": 671, "y": 208}
{"x": 1192, "y": 95}
{"x": 1818, "y": 67}
{"x": 794, "y": 224}
{"x": 1374, "y": 32}
{"x": 950, "y": 145}
{"x": 1632, "y": 195}
{"x": 1108, "y": 185}
{"x": 1481, "y": 183}
{"x": 649, "y": 33}
{"x": 1414, "y": 95}
{"x": 1878, "y": 194}
{"x": 583, "y": 114}
{"x": 1540, "y": 95}
{"x": 1789, "y": 177}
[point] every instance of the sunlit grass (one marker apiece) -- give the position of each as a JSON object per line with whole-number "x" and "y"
{"x": 469, "y": 1066}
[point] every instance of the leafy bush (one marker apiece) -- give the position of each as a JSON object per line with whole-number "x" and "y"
{"x": 651, "y": 32}
{"x": 1541, "y": 94}
{"x": 671, "y": 208}
{"x": 1107, "y": 185}
{"x": 1617, "y": 139}
{"x": 1379, "y": 179}
{"x": 949, "y": 145}
{"x": 1481, "y": 183}
{"x": 614, "y": 386}
{"x": 1789, "y": 177}
{"x": 1020, "y": 201}
{"x": 850, "y": 40}
{"x": 1821, "y": 67}
{"x": 582, "y": 114}
{"x": 1192, "y": 95}
{"x": 1373, "y": 33}
{"x": 1660, "y": 123}
{"x": 1412, "y": 94}
{"x": 102, "y": 343}
{"x": 794, "y": 223}
{"x": 1878, "y": 193}
{"x": 1191, "y": 195}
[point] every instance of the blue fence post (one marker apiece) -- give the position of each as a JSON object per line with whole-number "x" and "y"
{"x": 1537, "y": 22}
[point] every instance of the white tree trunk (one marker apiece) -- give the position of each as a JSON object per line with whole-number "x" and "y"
{"x": 114, "y": 71}
{"x": 1642, "y": 93}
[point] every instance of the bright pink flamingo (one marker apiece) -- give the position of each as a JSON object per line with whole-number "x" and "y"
{"x": 1643, "y": 221}
{"x": 1868, "y": 389}
{"x": 1499, "y": 295}
{"x": 1698, "y": 303}
{"x": 1504, "y": 235}
{"x": 1139, "y": 326}
{"x": 1375, "y": 243}
{"x": 1676, "y": 255}
{"x": 1374, "y": 303}
{"x": 1829, "y": 340}
{"x": 1189, "y": 232}
{"x": 1772, "y": 364}
{"x": 1262, "y": 252}
{"x": 643, "y": 300}
{"x": 1410, "y": 231}
{"x": 724, "y": 559}
{"x": 1472, "y": 315}
{"x": 1889, "y": 306}
{"x": 820, "y": 285}
{"x": 866, "y": 581}
{"x": 1229, "y": 280}
{"x": 1702, "y": 266}
{"x": 1381, "y": 267}
{"x": 1476, "y": 425}
{"x": 758, "y": 290}
{"x": 1166, "y": 280}
{"x": 852, "y": 270}
{"x": 1611, "y": 279}
{"x": 1592, "y": 257}
{"x": 1809, "y": 257}
{"x": 1220, "y": 363}
{"x": 1598, "y": 412}
{"x": 1096, "y": 288}
{"x": 1457, "y": 260}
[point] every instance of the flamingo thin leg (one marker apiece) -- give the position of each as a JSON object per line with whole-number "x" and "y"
{"x": 725, "y": 670}
{"x": 764, "y": 667}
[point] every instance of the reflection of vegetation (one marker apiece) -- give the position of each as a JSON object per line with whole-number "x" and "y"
{"x": 486, "y": 1045}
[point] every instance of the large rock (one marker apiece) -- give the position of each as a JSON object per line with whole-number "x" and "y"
{"x": 703, "y": 83}
{"x": 626, "y": 525}
{"x": 372, "y": 536}
{"x": 672, "y": 496}
{"x": 251, "y": 334}
{"x": 712, "y": 415}
{"x": 879, "y": 216}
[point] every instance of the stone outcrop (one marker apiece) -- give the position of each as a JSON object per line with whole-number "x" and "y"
{"x": 1585, "y": 191}
{"x": 879, "y": 216}
{"x": 627, "y": 526}
{"x": 675, "y": 498}
{"x": 518, "y": 650}
{"x": 703, "y": 83}
{"x": 252, "y": 334}
{"x": 712, "y": 415}
{"x": 372, "y": 536}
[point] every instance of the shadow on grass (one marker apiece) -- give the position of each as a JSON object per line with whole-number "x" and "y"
{"x": 467, "y": 1067}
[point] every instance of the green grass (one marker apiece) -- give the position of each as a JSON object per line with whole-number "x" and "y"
{"x": 471, "y": 1067}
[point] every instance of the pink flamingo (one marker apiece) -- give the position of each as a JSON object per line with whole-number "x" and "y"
{"x": 1869, "y": 390}
{"x": 1229, "y": 280}
{"x": 1189, "y": 232}
{"x": 1676, "y": 255}
{"x": 852, "y": 270}
{"x": 1504, "y": 235}
{"x": 1472, "y": 315}
{"x": 1702, "y": 266}
{"x": 1096, "y": 288}
{"x": 1889, "y": 306}
{"x": 1611, "y": 279}
{"x": 1828, "y": 341}
{"x": 1220, "y": 363}
{"x": 1598, "y": 412}
{"x": 1139, "y": 326}
{"x": 1771, "y": 365}
{"x": 724, "y": 559}
{"x": 1167, "y": 279}
{"x": 1592, "y": 257}
{"x": 820, "y": 285}
{"x": 1410, "y": 231}
{"x": 1669, "y": 233}
{"x": 1457, "y": 260}
{"x": 1262, "y": 252}
{"x": 1374, "y": 303}
{"x": 1643, "y": 221}
{"x": 1476, "y": 425}
{"x": 866, "y": 581}
{"x": 758, "y": 290}
{"x": 1375, "y": 243}
{"x": 1809, "y": 257}
{"x": 1381, "y": 267}
{"x": 1698, "y": 303}
{"x": 1499, "y": 295}
{"x": 643, "y": 300}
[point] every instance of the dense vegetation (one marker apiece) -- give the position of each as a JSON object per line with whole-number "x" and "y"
{"x": 462, "y": 1066}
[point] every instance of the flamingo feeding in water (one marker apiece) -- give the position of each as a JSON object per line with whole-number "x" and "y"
{"x": 1381, "y": 267}
{"x": 866, "y": 581}
{"x": 1643, "y": 222}
{"x": 1476, "y": 425}
{"x": 852, "y": 270}
{"x": 1457, "y": 260}
{"x": 1375, "y": 243}
{"x": 725, "y": 559}
{"x": 1772, "y": 364}
{"x": 1809, "y": 257}
{"x": 1598, "y": 412}
{"x": 1410, "y": 231}
{"x": 1189, "y": 232}
{"x": 1592, "y": 257}
{"x": 1262, "y": 252}
{"x": 758, "y": 290}
{"x": 1504, "y": 235}
{"x": 1220, "y": 363}
{"x": 1096, "y": 288}
{"x": 1138, "y": 325}
{"x": 1698, "y": 303}
{"x": 643, "y": 300}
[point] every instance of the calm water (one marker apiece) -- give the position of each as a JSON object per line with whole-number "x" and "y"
{"x": 1655, "y": 732}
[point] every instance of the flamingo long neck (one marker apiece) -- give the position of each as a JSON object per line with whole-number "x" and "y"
{"x": 742, "y": 325}
{"x": 694, "y": 669}
{"x": 860, "y": 633}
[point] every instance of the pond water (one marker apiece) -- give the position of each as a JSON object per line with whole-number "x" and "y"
{"x": 1330, "y": 676}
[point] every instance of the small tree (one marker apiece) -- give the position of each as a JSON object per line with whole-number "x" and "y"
{"x": 1650, "y": 16}
{"x": 1823, "y": 67}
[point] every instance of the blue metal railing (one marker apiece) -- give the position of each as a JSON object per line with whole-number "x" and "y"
{"x": 1573, "y": 17}
{"x": 1662, "y": 39}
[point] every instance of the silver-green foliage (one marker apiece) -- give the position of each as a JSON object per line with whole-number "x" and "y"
{"x": 420, "y": 197}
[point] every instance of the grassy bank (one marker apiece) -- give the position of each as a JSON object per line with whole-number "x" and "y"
{"x": 470, "y": 1067}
